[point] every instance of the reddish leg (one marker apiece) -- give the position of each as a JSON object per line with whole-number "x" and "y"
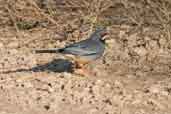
{"x": 81, "y": 70}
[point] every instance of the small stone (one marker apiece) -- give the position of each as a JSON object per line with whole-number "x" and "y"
{"x": 13, "y": 51}
{"x": 13, "y": 44}
{"x": 1, "y": 45}
{"x": 67, "y": 74}
{"x": 51, "y": 90}
{"x": 162, "y": 41}
{"x": 99, "y": 82}
{"x": 140, "y": 51}
{"x": 153, "y": 44}
{"x": 154, "y": 89}
{"x": 28, "y": 85}
{"x": 165, "y": 93}
{"x": 108, "y": 85}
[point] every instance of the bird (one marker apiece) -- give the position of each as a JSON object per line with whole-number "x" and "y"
{"x": 84, "y": 51}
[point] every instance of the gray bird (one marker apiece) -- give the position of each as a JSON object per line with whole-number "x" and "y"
{"x": 84, "y": 51}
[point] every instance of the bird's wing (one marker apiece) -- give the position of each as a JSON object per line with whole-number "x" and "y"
{"x": 78, "y": 51}
{"x": 81, "y": 48}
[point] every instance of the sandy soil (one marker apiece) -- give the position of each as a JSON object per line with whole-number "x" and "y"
{"x": 133, "y": 76}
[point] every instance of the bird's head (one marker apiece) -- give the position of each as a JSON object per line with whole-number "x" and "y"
{"x": 100, "y": 34}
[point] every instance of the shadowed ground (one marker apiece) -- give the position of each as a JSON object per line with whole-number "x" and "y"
{"x": 57, "y": 65}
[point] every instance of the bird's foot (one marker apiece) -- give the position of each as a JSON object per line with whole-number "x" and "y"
{"x": 83, "y": 72}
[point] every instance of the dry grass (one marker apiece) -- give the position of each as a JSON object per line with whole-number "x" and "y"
{"x": 80, "y": 14}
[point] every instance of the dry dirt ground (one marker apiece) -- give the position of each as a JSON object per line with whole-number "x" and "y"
{"x": 133, "y": 76}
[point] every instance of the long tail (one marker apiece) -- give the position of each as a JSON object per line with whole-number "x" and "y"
{"x": 49, "y": 50}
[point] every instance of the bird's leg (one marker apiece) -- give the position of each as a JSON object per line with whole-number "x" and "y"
{"x": 81, "y": 70}
{"x": 79, "y": 65}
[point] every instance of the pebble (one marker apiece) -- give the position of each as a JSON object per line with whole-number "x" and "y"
{"x": 140, "y": 51}
{"x": 154, "y": 89}
{"x": 1, "y": 45}
{"x": 13, "y": 51}
{"x": 13, "y": 44}
{"x": 162, "y": 41}
{"x": 28, "y": 85}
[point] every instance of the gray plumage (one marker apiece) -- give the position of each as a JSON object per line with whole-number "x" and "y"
{"x": 91, "y": 48}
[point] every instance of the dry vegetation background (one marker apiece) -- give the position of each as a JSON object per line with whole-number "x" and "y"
{"x": 133, "y": 77}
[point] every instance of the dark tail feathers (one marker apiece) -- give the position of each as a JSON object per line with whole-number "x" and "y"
{"x": 49, "y": 50}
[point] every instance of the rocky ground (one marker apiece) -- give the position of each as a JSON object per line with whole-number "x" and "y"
{"x": 132, "y": 77}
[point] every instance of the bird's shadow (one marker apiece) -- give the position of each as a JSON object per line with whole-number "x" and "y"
{"x": 56, "y": 65}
